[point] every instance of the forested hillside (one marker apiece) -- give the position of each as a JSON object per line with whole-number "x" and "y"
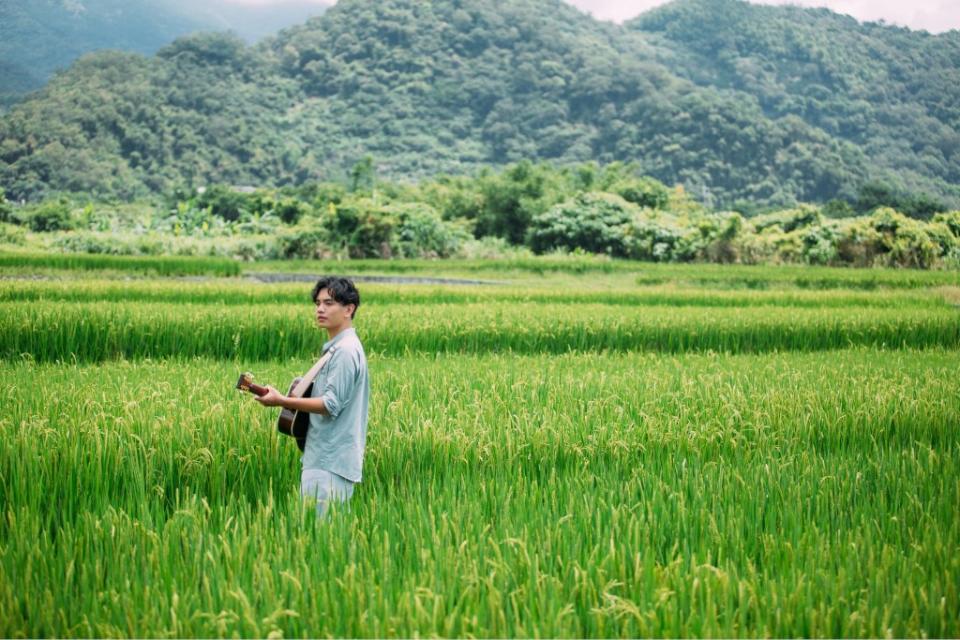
{"x": 451, "y": 86}
{"x": 38, "y": 37}
{"x": 893, "y": 92}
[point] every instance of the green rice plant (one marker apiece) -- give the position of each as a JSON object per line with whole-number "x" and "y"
{"x": 583, "y": 495}
{"x": 645, "y": 273}
{"x": 94, "y": 331}
{"x": 233, "y": 292}
{"x": 158, "y": 265}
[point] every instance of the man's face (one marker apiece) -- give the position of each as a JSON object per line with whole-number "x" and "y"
{"x": 331, "y": 314}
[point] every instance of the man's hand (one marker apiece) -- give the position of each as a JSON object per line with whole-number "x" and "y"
{"x": 272, "y": 398}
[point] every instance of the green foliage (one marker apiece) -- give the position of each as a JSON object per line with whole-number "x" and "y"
{"x": 874, "y": 195}
{"x": 904, "y": 241}
{"x": 307, "y": 241}
{"x": 659, "y": 237}
{"x": 6, "y": 211}
{"x": 951, "y": 219}
{"x": 548, "y": 204}
{"x": 644, "y": 191}
{"x": 363, "y": 175}
{"x": 838, "y": 209}
{"x": 421, "y": 233}
{"x": 96, "y": 331}
{"x": 12, "y": 234}
{"x": 224, "y": 202}
{"x": 788, "y": 220}
{"x": 40, "y": 37}
{"x": 761, "y": 109}
{"x": 320, "y": 194}
{"x": 818, "y": 71}
{"x": 510, "y": 199}
{"x": 362, "y": 228}
{"x": 53, "y": 215}
{"x": 593, "y": 222}
{"x": 289, "y": 210}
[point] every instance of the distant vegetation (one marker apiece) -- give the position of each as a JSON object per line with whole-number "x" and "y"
{"x": 524, "y": 209}
{"x": 749, "y": 108}
{"x": 40, "y": 37}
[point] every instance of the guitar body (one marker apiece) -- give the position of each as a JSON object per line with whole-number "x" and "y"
{"x": 295, "y": 423}
{"x": 291, "y": 423}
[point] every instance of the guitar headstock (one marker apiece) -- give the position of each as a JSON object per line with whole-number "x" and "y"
{"x": 244, "y": 381}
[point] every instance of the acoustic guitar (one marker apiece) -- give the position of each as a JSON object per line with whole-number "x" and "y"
{"x": 290, "y": 423}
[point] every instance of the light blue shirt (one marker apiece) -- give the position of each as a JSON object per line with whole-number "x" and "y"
{"x": 336, "y": 442}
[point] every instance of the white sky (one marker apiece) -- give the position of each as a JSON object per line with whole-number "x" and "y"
{"x": 933, "y": 15}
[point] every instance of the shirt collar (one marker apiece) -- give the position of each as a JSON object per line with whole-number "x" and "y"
{"x": 335, "y": 339}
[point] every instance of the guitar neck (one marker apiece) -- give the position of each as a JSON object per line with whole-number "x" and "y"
{"x": 257, "y": 390}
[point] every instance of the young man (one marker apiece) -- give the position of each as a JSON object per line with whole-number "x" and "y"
{"x": 333, "y": 455}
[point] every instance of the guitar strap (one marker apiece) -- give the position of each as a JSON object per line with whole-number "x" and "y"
{"x": 307, "y": 380}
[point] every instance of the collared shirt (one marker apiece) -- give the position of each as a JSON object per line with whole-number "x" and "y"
{"x": 336, "y": 442}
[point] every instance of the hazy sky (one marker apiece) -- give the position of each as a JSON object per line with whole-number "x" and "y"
{"x": 932, "y": 15}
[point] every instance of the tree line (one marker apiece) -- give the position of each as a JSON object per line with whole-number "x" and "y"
{"x": 524, "y": 208}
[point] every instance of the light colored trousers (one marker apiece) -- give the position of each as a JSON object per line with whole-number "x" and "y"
{"x": 324, "y": 487}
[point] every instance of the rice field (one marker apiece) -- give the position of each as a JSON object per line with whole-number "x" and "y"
{"x": 546, "y": 457}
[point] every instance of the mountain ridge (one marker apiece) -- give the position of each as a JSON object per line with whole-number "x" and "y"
{"x": 454, "y": 86}
{"x": 38, "y": 37}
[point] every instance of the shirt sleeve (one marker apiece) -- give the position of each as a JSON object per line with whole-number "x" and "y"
{"x": 340, "y": 383}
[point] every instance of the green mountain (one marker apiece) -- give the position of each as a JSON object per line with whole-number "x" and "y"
{"x": 455, "y": 85}
{"x": 893, "y": 92}
{"x": 38, "y": 37}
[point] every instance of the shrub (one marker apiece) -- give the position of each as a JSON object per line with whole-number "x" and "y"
{"x": 655, "y": 236}
{"x": 224, "y": 202}
{"x": 719, "y": 233}
{"x": 906, "y": 241}
{"x": 12, "y": 234}
{"x": 372, "y": 235}
{"x": 306, "y": 241}
{"x": 6, "y": 211}
{"x": 789, "y": 219}
{"x": 50, "y": 216}
{"x": 951, "y": 219}
{"x": 646, "y": 192}
{"x": 258, "y": 248}
{"x": 86, "y": 242}
{"x": 595, "y": 222}
{"x": 290, "y": 210}
{"x": 858, "y": 243}
{"x": 820, "y": 244}
{"x": 361, "y": 228}
{"x": 420, "y": 232}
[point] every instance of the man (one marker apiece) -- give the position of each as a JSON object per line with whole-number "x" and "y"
{"x": 333, "y": 454}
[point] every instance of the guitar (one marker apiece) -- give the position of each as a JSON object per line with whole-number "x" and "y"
{"x": 290, "y": 423}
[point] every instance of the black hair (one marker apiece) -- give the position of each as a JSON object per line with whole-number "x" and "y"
{"x": 341, "y": 290}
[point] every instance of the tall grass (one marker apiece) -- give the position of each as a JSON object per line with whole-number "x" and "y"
{"x": 644, "y": 273}
{"x": 582, "y": 462}
{"x": 46, "y": 331}
{"x": 743, "y": 276}
{"x": 154, "y": 265}
{"x": 575, "y": 496}
{"x": 247, "y": 293}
